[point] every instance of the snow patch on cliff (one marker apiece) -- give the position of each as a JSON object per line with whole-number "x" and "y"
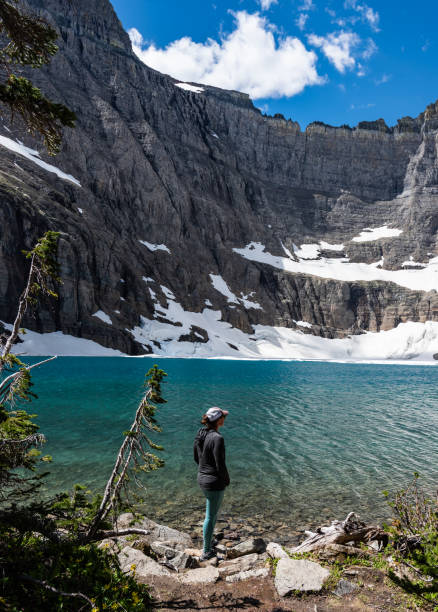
{"x": 369, "y": 234}
{"x": 302, "y": 323}
{"x": 306, "y": 251}
{"x": 189, "y": 87}
{"x": 410, "y": 263}
{"x": 32, "y": 155}
{"x": 342, "y": 269}
{"x": 220, "y": 285}
{"x": 155, "y": 247}
{"x": 103, "y": 317}
{"x": 331, "y": 247}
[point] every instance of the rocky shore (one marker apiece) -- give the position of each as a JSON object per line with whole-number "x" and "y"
{"x": 252, "y": 573}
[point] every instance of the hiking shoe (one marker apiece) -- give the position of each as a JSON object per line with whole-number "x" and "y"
{"x": 207, "y": 555}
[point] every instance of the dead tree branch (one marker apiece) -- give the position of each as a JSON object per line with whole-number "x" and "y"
{"x": 352, "y": 529}
{"x": 134, "y": 454}
{"x": 49, "y": 587}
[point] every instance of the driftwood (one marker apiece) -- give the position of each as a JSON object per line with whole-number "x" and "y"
{"x": 352, "y": 529}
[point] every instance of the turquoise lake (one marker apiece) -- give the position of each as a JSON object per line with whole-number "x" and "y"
{"x": 306, "y": 442}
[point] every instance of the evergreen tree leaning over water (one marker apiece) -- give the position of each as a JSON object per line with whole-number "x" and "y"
{"x": 48, "y": 553}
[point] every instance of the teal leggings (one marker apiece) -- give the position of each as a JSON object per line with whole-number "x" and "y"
{"x": 214, "y": 501}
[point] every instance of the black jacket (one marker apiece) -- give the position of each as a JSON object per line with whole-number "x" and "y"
{"x": 209, "y": 454}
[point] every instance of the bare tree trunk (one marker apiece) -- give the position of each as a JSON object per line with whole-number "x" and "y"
{"x": 116, "y": 480}
{"x": 21, "y": 310}
{"x": 9, "y": 380}
{"x": 341, "y": 532}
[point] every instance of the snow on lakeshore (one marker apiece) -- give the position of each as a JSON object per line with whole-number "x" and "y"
{"x": 369, "y": 234}
{"x": 63, "y": 345}
{"x": 155, "y": 247}
{"x": 410, "y": 342}
{"x": 342, "y": 269}
{"x": 32, "y": 155}
{"x": 189, "y": 87}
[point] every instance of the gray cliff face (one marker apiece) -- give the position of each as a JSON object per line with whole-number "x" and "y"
{"x": 203, "y": 173}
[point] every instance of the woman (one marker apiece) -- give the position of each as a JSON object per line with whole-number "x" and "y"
{"x": 209, "y": 454}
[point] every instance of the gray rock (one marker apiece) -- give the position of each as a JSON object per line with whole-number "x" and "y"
{"x": 345, "y": 587}
{"x": 276, "y": 551}
{"x": 137, "y": 563}
{"x": 202, "y": 575}
{"x": 111, "y": 545}
{"x": 179, "y": 560}
{"x": 253, "y": 545}
{"x": 299, "y": 575}
{"x": 157, "y": 533}
{"x": 221, "y": 549}
{"x": 240, "y": 564}
{"x": 255, "y": 573}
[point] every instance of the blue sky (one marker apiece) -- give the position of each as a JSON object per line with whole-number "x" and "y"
{"x": 340, "y": 61}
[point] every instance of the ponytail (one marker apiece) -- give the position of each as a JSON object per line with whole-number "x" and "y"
{"x": 206, "y": 422}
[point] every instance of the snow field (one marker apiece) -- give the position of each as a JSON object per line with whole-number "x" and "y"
{"x": 342, "y": 269}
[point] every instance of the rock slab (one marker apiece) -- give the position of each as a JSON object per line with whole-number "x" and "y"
{"x": 262, "y": 572}
{"x": 241, "y": 564}
{"x": 202, "y": 575}
{"x": 275, "y": 551}
{"x": 253, "y": 545}
{"x": 299, "y": 575}
{"x": 135, "y": 562}
{"x": 345, "y": 587}
{"x": 173, "y": 538}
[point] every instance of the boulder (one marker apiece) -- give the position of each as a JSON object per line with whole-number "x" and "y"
{"x": 202, "y": 575}
{"x": 345, "y": 587}
{"x": 275, "y": 551}
{"x": 171, "y": 537}
{"x": 241, "y": 564}
{"x": 135, "y": 562}
{"x": 262, "y": 572}
{"x": 299, "y": 575}
{"x": 110, "y": 545}
{"x": 180, "y": 560}
{"x": 253, "y": 545}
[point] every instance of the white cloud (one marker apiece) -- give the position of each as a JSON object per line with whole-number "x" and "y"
{"x": 338, "y": 48}
{"x": 307, "y": 5}
{"x": 383, "y": 79}
{"x": 249, "y": 59}
{"x": 370, "y": 49}
{"x": 367, "y": 14}
{"x": 301, "y": 21}
{"x": 360, "y": 70}
{"x": 266, "y": 4}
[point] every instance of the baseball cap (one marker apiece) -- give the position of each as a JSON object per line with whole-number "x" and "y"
{"x": 215, "y": 413}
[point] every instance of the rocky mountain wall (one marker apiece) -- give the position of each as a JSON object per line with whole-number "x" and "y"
{"x": 202, "y": 173}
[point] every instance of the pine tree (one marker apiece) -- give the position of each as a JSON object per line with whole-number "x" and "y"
{"x": 30, "y": 41}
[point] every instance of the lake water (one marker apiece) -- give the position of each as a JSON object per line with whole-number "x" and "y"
{"x": 306, "y": 442}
